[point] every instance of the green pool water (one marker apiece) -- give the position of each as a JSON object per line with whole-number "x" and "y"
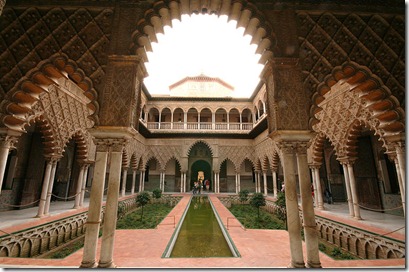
{"x": 200, "y": 234}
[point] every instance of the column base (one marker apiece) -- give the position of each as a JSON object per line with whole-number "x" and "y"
{"x": 358, "y": 218}
{"x": 88, "y": 264}
{"x": 109, "y": 264}
{"x": 313, "y": 265}
{"x": 296, "y": 265}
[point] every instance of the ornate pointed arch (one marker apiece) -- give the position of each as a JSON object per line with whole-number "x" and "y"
{"x": 352, "y": 96}
{"x": 189, "y": 149}
{"x": 59, "y": 71}
{"x": 177, "y": 161}
{"x": 163, "y": 12}
{"x": 226, "y": 159}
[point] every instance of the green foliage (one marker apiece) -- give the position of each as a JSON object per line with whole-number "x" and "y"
{"x": 154, "y": 214}
{"x": 322, "y": 247}
{"x": 257, "y": 201}
{"x": 338, "y": 254}
{"x": 121, "y": 210}
{"x": 67, "y": 249}
{"x": 142, "y": 199}
{"x": 247, "y": 215}
{"x": 280, "y": 199}
{"x": 244, "y": 195}
{"x": 157, "y": 193}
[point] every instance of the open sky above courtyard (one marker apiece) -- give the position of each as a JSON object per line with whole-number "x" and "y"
{"x": 203, "y": 44}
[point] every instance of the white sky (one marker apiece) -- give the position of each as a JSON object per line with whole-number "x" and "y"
{"x": 205, "y": 44}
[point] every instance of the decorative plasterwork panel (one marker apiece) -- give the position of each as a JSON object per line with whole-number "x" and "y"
{"x": 328, "y": 40}
{"x": 237, "y": 154}
{"x": 66, "y": 113}
{"x": 29, "y": 36}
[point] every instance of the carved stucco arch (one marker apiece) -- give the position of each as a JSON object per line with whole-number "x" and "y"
{"x": 350, "y": 98}
{"x": 225, "y": 159}
{"x": 176, "y": 159}
{"x": 17, "y": 106}
{"x": 189, "y": 149}
{"x": 163, "y": 12}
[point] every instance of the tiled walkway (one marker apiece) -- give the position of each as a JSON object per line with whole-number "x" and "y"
{"x": 258, "y": 248}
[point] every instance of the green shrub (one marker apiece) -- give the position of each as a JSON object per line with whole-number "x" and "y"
{"x": 142, "y": 199}
{"x": 157, "y": 193}
{"x": 244, "y": 195}
{"x": 257, "y": 201}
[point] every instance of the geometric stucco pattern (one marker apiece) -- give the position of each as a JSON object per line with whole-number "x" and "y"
{"x": 66, "y": 112}
{"x": 237, "y": 155}
{"x": 29, "y": 36}
{"x": 378, "y": 42}
{"x": 162, "y": 154}
{"x": 265, "y": 151}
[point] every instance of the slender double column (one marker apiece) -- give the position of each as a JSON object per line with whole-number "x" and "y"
{"x": 274, "y": 183}
{"x": 51, "y": 162}
{"x": 84, "y": 185}
{"x": 111, "y": 208}
{"x": 94, "y": 209}
{"x": 80, "y": 181}
{"x": 347, "y": 164}
{"x": 317, "y": 187}
{"x": 348, "y": 189}
{"x": 133, "y": 181}
{"x": 141, "y": 180}
{"x": 309, "y": 224}
{"x": 124, "y": 176}
{"x": 50, "y": 187}
{"x": 265, "y": 182}
{"x": 7, "y": 143}
{"x": 291, "y": 201}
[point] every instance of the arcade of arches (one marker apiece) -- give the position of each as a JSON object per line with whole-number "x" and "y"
{"x": 329, "y": 110}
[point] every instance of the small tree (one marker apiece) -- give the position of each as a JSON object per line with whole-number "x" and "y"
{"x": 244, "y": 195}
{"x": 257, "y": 200}
{"x": 142, "y": 199}
{"x": 157, "y": 193}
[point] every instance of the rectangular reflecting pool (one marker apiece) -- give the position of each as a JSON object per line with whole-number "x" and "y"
{"x": 201, "y": 233}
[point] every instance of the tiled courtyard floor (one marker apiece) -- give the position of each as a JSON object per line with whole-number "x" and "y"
{"x": 258, "y": 248}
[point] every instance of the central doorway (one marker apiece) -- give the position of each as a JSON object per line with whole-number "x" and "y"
{"x": 200, "y": 160}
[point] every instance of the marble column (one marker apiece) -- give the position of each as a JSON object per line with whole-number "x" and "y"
{"x": 163, "y": 181}
{"x": 94, "y": 209}
{"x": 256, "y": 181}
{"x": 275, "y": 183}
{"x": 309, "y": 224}
{"x": 50, "y": 188}
{"x": 181, "y": 182}
{"x": 401, "y": 183}
{"x": 314, "y": 184}
{"x": 80, "y": 181}
{"x": 291, "y": 200}
{"x": 265, "y": 182}
{"x": 141, "y": 180}
{"x": 400, "y": 156}
{"x": 237, "y": 186}
{"x": 319, "y": 190}
{"x": 84, "y": 185}
{"x": 6, "y": 144}
{"x": 44, "y": 190}
{"x": 348, "y": 189}
{"x": 124, "y": 176}
{"x": 133, "y": 181}
{"x": 355, "y": 200}
{"x": 238, "y": 183}
{"x": 111, "y": 208}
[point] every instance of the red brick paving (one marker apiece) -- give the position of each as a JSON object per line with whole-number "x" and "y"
{"x": 144, "y": 248}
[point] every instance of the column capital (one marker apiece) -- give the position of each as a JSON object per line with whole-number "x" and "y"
{"x": 110, "y": 144}
{"x": 9, "y": 141}
{"x": 347, "y": 160}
